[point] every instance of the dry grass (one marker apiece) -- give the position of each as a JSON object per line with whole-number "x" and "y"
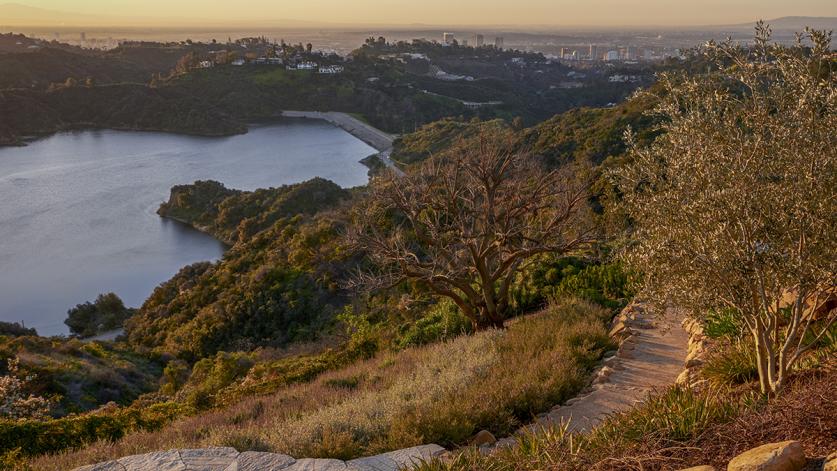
{"x": 440, "y": 393}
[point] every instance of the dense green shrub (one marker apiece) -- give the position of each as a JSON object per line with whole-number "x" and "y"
{"x": 36, "y": 437}
{"x": 13, "y": 329}
{"x": 734, "y": 363}
{"x": 211, "y": 375}
{"x": 608, "y": 285}
{"x": 106, "y": 313}
{"x": 443, "y": 321}
{"x": 553, "y": 278}
{"x": 723, "y": 323}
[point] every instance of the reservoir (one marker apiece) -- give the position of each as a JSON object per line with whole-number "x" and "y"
{"x": 78, "y": 210}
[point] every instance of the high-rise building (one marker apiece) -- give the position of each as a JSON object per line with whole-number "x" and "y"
{"x": 612, "y": 55}
{"x": 594, "y": 53}
{"x": 448, "y": 38}
{"x": 83, "y": 37}
{"x": 465, "y": 42}
{"x": 479, "y": 40}
{"x": 630, "y": 53}
{"x": 499, "y": 43}
{"x": 564, "y": 52}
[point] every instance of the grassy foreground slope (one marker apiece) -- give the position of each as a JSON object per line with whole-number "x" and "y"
{"x": 441, "y": 393}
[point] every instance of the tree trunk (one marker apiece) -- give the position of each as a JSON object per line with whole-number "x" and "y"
{"x": 489, "y": 320}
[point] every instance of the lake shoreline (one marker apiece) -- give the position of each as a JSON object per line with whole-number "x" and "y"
{"x": 89, "y": 199}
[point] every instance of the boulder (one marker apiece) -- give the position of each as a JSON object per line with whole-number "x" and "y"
{"x": 830, "y": 463}
{"x": 783, "y": 456}
{"x": 484, "y": 437}
{"x": 620, "y": 330}
{"x": 258, "y": 461}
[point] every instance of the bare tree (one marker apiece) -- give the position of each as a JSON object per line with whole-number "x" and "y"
{"x": 735, "y": 205}
{"x": 468, "y": 220}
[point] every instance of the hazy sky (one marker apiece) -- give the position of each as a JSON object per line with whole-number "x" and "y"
{"x": 451, "y": 12}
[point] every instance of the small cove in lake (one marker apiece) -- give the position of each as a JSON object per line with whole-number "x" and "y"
{"x": 78, "y": 210}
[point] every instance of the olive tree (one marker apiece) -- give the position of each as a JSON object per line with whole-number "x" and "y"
{"x": 468, "y": 220}
{"x": 734, "y": 206}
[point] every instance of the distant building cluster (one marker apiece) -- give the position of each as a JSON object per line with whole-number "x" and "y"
{"x": 595, "y": 52}
{"x": 293, "y": 64}
{"x": 449, "y": 39}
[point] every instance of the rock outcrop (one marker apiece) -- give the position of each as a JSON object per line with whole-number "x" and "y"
{"x": 229, "y": 459}
{"x": 782, "y": 456}
{"x": 830, "y": 463}
{"x": 698, "y": 348}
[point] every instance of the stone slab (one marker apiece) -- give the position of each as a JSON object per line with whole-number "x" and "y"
{"x": 158, "y": 461}
{"x": 311, "y": 464}
{"x": 260, "y": 461}
{"x": 396, "y": 460}
{"x": 208, "y": 459}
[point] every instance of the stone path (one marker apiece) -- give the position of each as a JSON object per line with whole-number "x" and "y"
{"x": 229, "y": 459}
{"x": 650, "y": 357}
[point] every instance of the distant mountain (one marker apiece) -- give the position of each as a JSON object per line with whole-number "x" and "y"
{"x": 797, "y": 23}
{"x": 15, "y": 14}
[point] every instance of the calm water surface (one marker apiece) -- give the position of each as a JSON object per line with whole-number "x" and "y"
{"x": 78, "y": 210}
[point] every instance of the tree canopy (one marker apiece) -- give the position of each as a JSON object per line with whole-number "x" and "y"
{"x": 734, "y": 206}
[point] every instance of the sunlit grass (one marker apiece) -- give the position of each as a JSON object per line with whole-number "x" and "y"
{"x": 441, "y": 393}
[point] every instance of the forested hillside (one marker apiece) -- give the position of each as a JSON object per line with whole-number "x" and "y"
{"x": 65, "y": 88}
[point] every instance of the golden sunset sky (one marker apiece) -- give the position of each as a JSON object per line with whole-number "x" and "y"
{"x": 443, "y": 12}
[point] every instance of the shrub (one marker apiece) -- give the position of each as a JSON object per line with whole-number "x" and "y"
{"x": 210, "y": 375}
{"x": 723, "y": 323}
{"x": 731, "y": 365}
{"x": 444, "y": 321}
{"x": 35, "y": 437}
{"x": 107, "y": 313}
{"x": 607, "y": 284}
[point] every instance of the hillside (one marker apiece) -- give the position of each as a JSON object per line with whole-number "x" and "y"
{"x": 32, "y": 113}
{"x": 278, "y": 283}
{"x": 394, "y": 94}
{"x": 590, "y": 135}
{"x": 54, "y": 66}
{"x": 799, "y": 23}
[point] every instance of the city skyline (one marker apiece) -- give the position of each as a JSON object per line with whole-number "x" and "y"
{"x": 602, "y": 13}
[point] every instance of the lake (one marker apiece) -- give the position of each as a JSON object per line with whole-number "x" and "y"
{"x": 78, "y": 210}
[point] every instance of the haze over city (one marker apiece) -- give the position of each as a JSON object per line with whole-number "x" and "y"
{"x": 601, "y": 13}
